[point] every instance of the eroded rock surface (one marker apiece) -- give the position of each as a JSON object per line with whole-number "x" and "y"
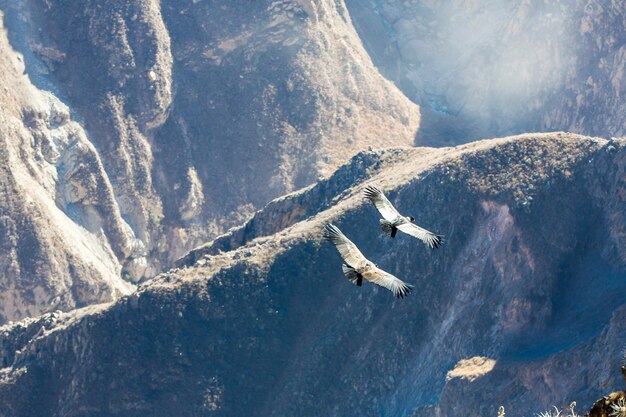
{"x": 62, "y": 236}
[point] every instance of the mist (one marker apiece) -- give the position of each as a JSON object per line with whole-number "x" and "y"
{"x": 489, "y": 68}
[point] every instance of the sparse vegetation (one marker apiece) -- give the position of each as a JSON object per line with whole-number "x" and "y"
{"x": 618, "y": 408}
{"x": 554, "y": 412}
{"x": 613, "y": 405}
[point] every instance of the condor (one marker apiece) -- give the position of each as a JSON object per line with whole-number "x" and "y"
{"x": 393, "y": 221}
{"x": 357, "y": 267}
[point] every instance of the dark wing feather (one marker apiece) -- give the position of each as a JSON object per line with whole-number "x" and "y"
{"x": 352, "y": 275}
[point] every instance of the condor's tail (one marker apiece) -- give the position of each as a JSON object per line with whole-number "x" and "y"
{"x": 352, "y": 275}
{"x": 388, "y": 227}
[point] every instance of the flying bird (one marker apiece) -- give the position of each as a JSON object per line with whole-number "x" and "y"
{"x": 357, "y": 267}
{"x": 393, "y": 221}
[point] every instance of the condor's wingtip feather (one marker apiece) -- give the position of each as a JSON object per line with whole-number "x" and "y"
{"x": 436, "y": 241}
{"x": 404, "y": 290}
{"x": 371, "y": 191}
{"x": 331, "y": 231}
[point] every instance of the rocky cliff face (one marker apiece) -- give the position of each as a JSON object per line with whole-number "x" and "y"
{"x": 486, "y": 68}
{"x": 522, "y": 306}
{"x": 61, "y": 232}
{"x": 192, "y": 114}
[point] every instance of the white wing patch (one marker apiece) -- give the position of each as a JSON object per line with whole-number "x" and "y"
{"x": 348, "y": 250}
{"x": 430, "y": 239}
{"x": 398, "y": 287}
{"x": 384, "y": 206}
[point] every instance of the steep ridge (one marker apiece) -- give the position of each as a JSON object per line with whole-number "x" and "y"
{"x": 496, "y": 67}
{"x": 535, "y": 231}
{"x": 61, "y": 233}
{"x": 294, "y": 207}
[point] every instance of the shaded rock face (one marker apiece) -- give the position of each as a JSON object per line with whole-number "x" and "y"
{"x": 487, "y": 68}
{"x": 194, "y": 114}
{"x": 271, "y": 327}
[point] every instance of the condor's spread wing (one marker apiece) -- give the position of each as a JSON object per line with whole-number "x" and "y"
{"x": 398, "y": 287}
{"x": 430, "y": 239}
{"x": 348, "y": 250}
{"x": 384, "y": 206}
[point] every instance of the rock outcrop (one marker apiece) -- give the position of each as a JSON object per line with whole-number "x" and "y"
{"x": 522, "y": 307}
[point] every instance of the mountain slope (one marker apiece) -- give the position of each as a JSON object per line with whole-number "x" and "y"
{"x": 533, "y": 246}
{"x": 61, "y": 232}
{"x": 157, "y": 125}
{"x": 175, "y": 95}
